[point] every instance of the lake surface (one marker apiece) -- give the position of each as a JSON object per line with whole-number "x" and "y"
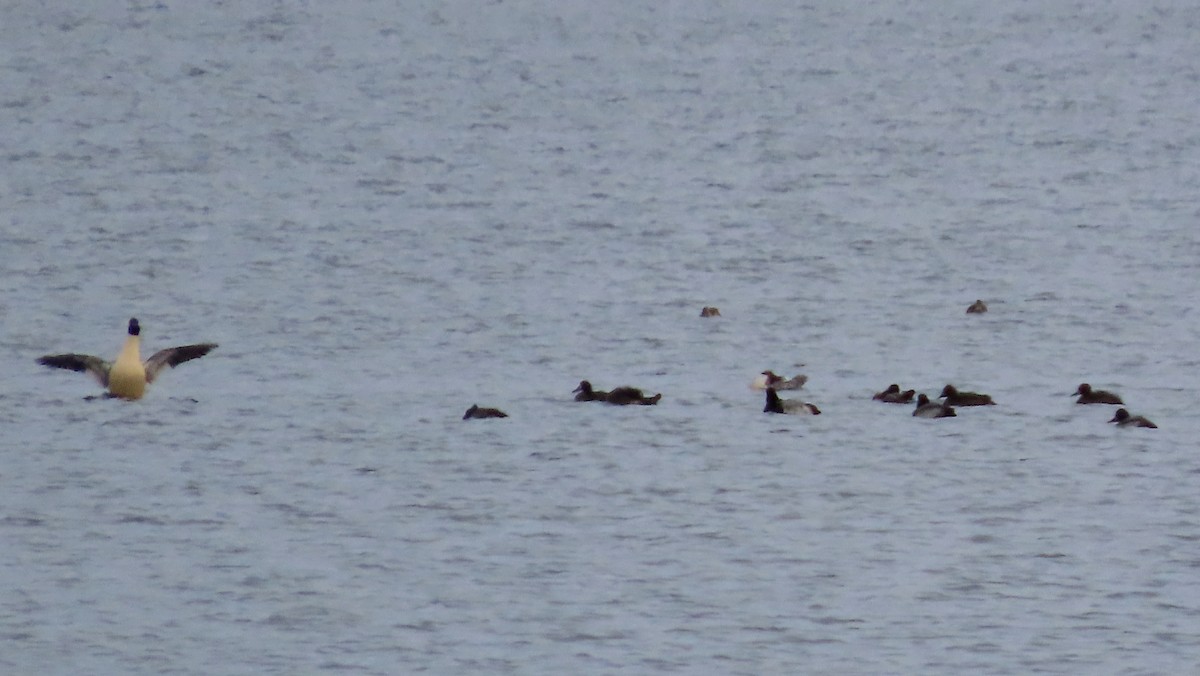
{"x": 386, "y": 213}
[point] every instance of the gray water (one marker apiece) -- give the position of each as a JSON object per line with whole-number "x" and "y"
{"x": 385, "y": 213}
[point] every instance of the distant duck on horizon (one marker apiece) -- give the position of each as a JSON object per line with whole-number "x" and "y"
{"x": 978, "y": 307}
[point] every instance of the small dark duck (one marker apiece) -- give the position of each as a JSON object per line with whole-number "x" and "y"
{"x": 585, "y": 393}
{"x": 1089, "y": 396}
{"x": 623, "y": 396}
{"x": 955, "y": 398}
{"x": 476, "y": 412}
{"x": 1123, "y": 419}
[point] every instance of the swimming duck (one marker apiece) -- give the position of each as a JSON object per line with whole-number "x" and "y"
{"x": 769, "y": 379}
{"x": 978, "y": 307}
{"x": 955, "y": 398}
{"x": 1123, "y": 419}
{"x": 932, "y": 409}
{"x": 585, "y": 393}
{"x": 1089, "y": 396}
{"x": 893, "y": 395}
{"x": 792, "y": 406}
{"x": 623, "y": 396}
{"x": 128, "y": 376}
{"x": 707, "y": 311}
{"x": 476, "y": 412}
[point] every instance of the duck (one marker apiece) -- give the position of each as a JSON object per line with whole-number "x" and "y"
{"x": 585, "y": 393}
{"x": 127, "y": 377}
{"x": 623, "y": 396}
{"x": 1123, "y": 419}
{"x": 708, "y": 311}
{"x": 768, "y": 379}
{"x": 955, "y": 398}
{"x": 790, "y": 406}
{"x": 1089, "y": 396}
{"x": 978, "y": 307}
{"x": 932, "y": 409}
{"x": 476, "y": 412}
{"x": 893, "y": 395}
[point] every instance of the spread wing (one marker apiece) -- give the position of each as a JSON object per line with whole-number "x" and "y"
{"x": 79, "y": 362}
{"x": 174, "y": 356}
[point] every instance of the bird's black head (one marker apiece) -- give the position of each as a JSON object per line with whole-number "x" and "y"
{"x": 774, "y": 404}
{"x": 134, "y": 329}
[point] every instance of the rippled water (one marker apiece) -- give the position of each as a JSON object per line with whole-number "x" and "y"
{"x": 385, "y": 214}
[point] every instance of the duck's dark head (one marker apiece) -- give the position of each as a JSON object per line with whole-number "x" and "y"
{"x": 922, "y": 400}
{"x": 893, "y": 389}
{"x": 1121, "y": 414}
{"x": 1084, "y": 388}
{"x": 471, "y": 411}
{"x": 949, "y": 391}
{"x": 773, "y": 403}
{"x": 134, "y": 328}
{"x": 584, "y": 386}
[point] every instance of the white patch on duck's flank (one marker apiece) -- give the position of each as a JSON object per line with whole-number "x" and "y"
{"x": 128, "y": 376}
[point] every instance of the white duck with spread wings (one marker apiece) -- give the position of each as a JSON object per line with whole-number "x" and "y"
{"x": 128, "y": 376}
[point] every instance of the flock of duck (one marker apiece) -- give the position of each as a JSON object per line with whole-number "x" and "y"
{"x": 128, "y": 376}
{"x": 951, "y": 397}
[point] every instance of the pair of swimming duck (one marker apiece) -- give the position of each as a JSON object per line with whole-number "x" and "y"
{"x": 1122, "y": 417}
{"x": 622, "y": 396}
{"x": 933, "y": 409}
